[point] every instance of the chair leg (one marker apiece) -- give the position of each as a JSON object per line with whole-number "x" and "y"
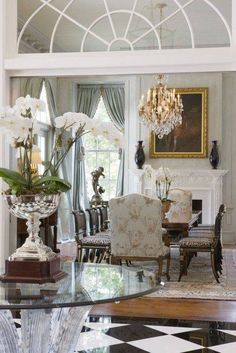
{"x": 160, "y": 265}
{"x": 168, "y": 267}
{"x": 182, "y": 263}
{"x": 79, "y": 253}
{"x": 108, "y": 255}
{"x": 92, "y": 254}
{"x": 86, "y": 255}
{"x": 213, "y": 266}
{"x": 101, "y": 255}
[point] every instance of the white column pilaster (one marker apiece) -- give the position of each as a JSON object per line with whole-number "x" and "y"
{"x": 4, "y": 148}
{"x": 234, "y": 23}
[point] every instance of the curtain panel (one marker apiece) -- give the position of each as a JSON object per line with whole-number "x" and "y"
{"x": 114, "y": 100}
{"x": 87, "y": 102}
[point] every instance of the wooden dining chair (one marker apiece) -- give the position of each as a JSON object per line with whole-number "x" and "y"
{"x": 180, "y": 212}
{"x": 181, "y": 206}
{"x": 95, "y": 245}
{"x": 208, "y": 241}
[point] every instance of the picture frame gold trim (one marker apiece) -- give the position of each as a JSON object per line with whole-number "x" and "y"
{"x": 202, "y": 152}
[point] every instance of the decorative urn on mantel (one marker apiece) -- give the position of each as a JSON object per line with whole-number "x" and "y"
{"x": 214, "y": 155}
{"x": 140, "y": 155}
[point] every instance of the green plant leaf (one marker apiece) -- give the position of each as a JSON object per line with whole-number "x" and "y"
{"x": 60, "y": 184}
{"x": 12, "y": 177}
{"x": 49, "y": 166}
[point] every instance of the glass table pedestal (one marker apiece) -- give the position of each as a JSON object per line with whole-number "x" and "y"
{"x": 52, "y": 314}
{"x": 42, "y": 330}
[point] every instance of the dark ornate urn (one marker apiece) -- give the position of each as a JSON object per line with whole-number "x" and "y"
{"x": 214, "y": 155}
{"x": 139, "y": 155}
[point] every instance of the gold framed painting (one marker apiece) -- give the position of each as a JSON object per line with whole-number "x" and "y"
{"x": 189, "y": 140}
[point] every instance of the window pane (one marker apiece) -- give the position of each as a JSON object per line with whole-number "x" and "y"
{"x": 90, "y": 165}
{"x": 90, "y": 161}
{"x": 99, "y": 152}
{"x": 104, "y": 144}
{"x": 42, "y": 146}
{"x": 114, "y": 165}
{"x": 106, "y": 185}
{"x": 103, "y": 161}
{"x": 112, "y": 188}
{"x": 44, "y": 117}
{"x": 101, "y": 112}
{"x": 90, "y": 142}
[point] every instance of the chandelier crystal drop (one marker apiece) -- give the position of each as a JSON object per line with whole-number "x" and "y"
{"x": 161, "y": 111}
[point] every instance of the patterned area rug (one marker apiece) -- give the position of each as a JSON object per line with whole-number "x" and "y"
{"x": 200, "y": 282}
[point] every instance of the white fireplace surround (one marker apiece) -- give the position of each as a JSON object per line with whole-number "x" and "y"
{"x": 205, "y": 185}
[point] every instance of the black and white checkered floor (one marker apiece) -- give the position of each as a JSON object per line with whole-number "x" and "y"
{"x": 113, "y": 335}
{"x": 116, "y": 335}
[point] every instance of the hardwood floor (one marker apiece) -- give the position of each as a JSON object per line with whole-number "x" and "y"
{"x": 186, "y": 309}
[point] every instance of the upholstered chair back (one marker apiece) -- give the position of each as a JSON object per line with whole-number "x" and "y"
{"x": 181, "y": 207}
{"x": 136, "y": 226}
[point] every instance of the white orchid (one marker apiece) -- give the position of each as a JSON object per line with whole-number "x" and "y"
{"x": 71, "y": 121}
{"x": 163, "y": 182}
{"x": 65, "y": 122}
{"x": 78, "y": 120}
{"x": 20, "y": 125}
{"x": 16, "y": 127}
{"x": 26, "y": 105}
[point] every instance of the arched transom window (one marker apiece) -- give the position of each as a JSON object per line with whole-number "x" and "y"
{"x": 111, "y": 25}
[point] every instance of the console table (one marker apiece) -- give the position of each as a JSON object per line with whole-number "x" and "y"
{"x": 52, "y": 314}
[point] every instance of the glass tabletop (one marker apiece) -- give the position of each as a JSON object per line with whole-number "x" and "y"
{"x": 85, "y": 284}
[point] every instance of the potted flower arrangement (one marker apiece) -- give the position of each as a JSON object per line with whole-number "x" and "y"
{"x": 31, "y": 196}
{"x": 163, "y": 183}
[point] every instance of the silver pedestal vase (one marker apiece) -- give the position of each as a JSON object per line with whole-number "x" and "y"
{"x": 33, "y": 208}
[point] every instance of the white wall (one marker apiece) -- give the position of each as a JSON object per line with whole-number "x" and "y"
{"x": 228, "y": 149}
{"x": 4, "y": 149}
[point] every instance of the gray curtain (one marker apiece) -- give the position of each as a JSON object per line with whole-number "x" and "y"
{"x": 31, "y": 86}
{"x": 87, "y": 101}
{"x": 65, "y": 220}
{"x": 114, "y": 100}
{"x": 51, "y": 89}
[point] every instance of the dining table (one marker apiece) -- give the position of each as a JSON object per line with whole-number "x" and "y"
{"x": 182, "y": 228}
{"x": 52, "y": 314}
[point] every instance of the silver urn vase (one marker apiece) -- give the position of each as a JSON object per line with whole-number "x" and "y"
{"x": 33, "y": 208}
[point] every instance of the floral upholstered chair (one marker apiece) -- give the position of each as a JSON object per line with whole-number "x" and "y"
{"x": 136, "y": 232}
{"x": 181, "y": 207}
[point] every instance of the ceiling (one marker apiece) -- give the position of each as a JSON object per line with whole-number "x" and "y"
{"x": 94, "y": 26}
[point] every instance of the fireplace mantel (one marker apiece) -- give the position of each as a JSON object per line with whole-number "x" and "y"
{"x": 205, "y": 185}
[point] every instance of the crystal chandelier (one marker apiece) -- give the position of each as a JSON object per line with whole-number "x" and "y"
{"x": 162, "y": 109}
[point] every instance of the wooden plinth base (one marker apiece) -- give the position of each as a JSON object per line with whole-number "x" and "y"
{"x": 32, "y": 271}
